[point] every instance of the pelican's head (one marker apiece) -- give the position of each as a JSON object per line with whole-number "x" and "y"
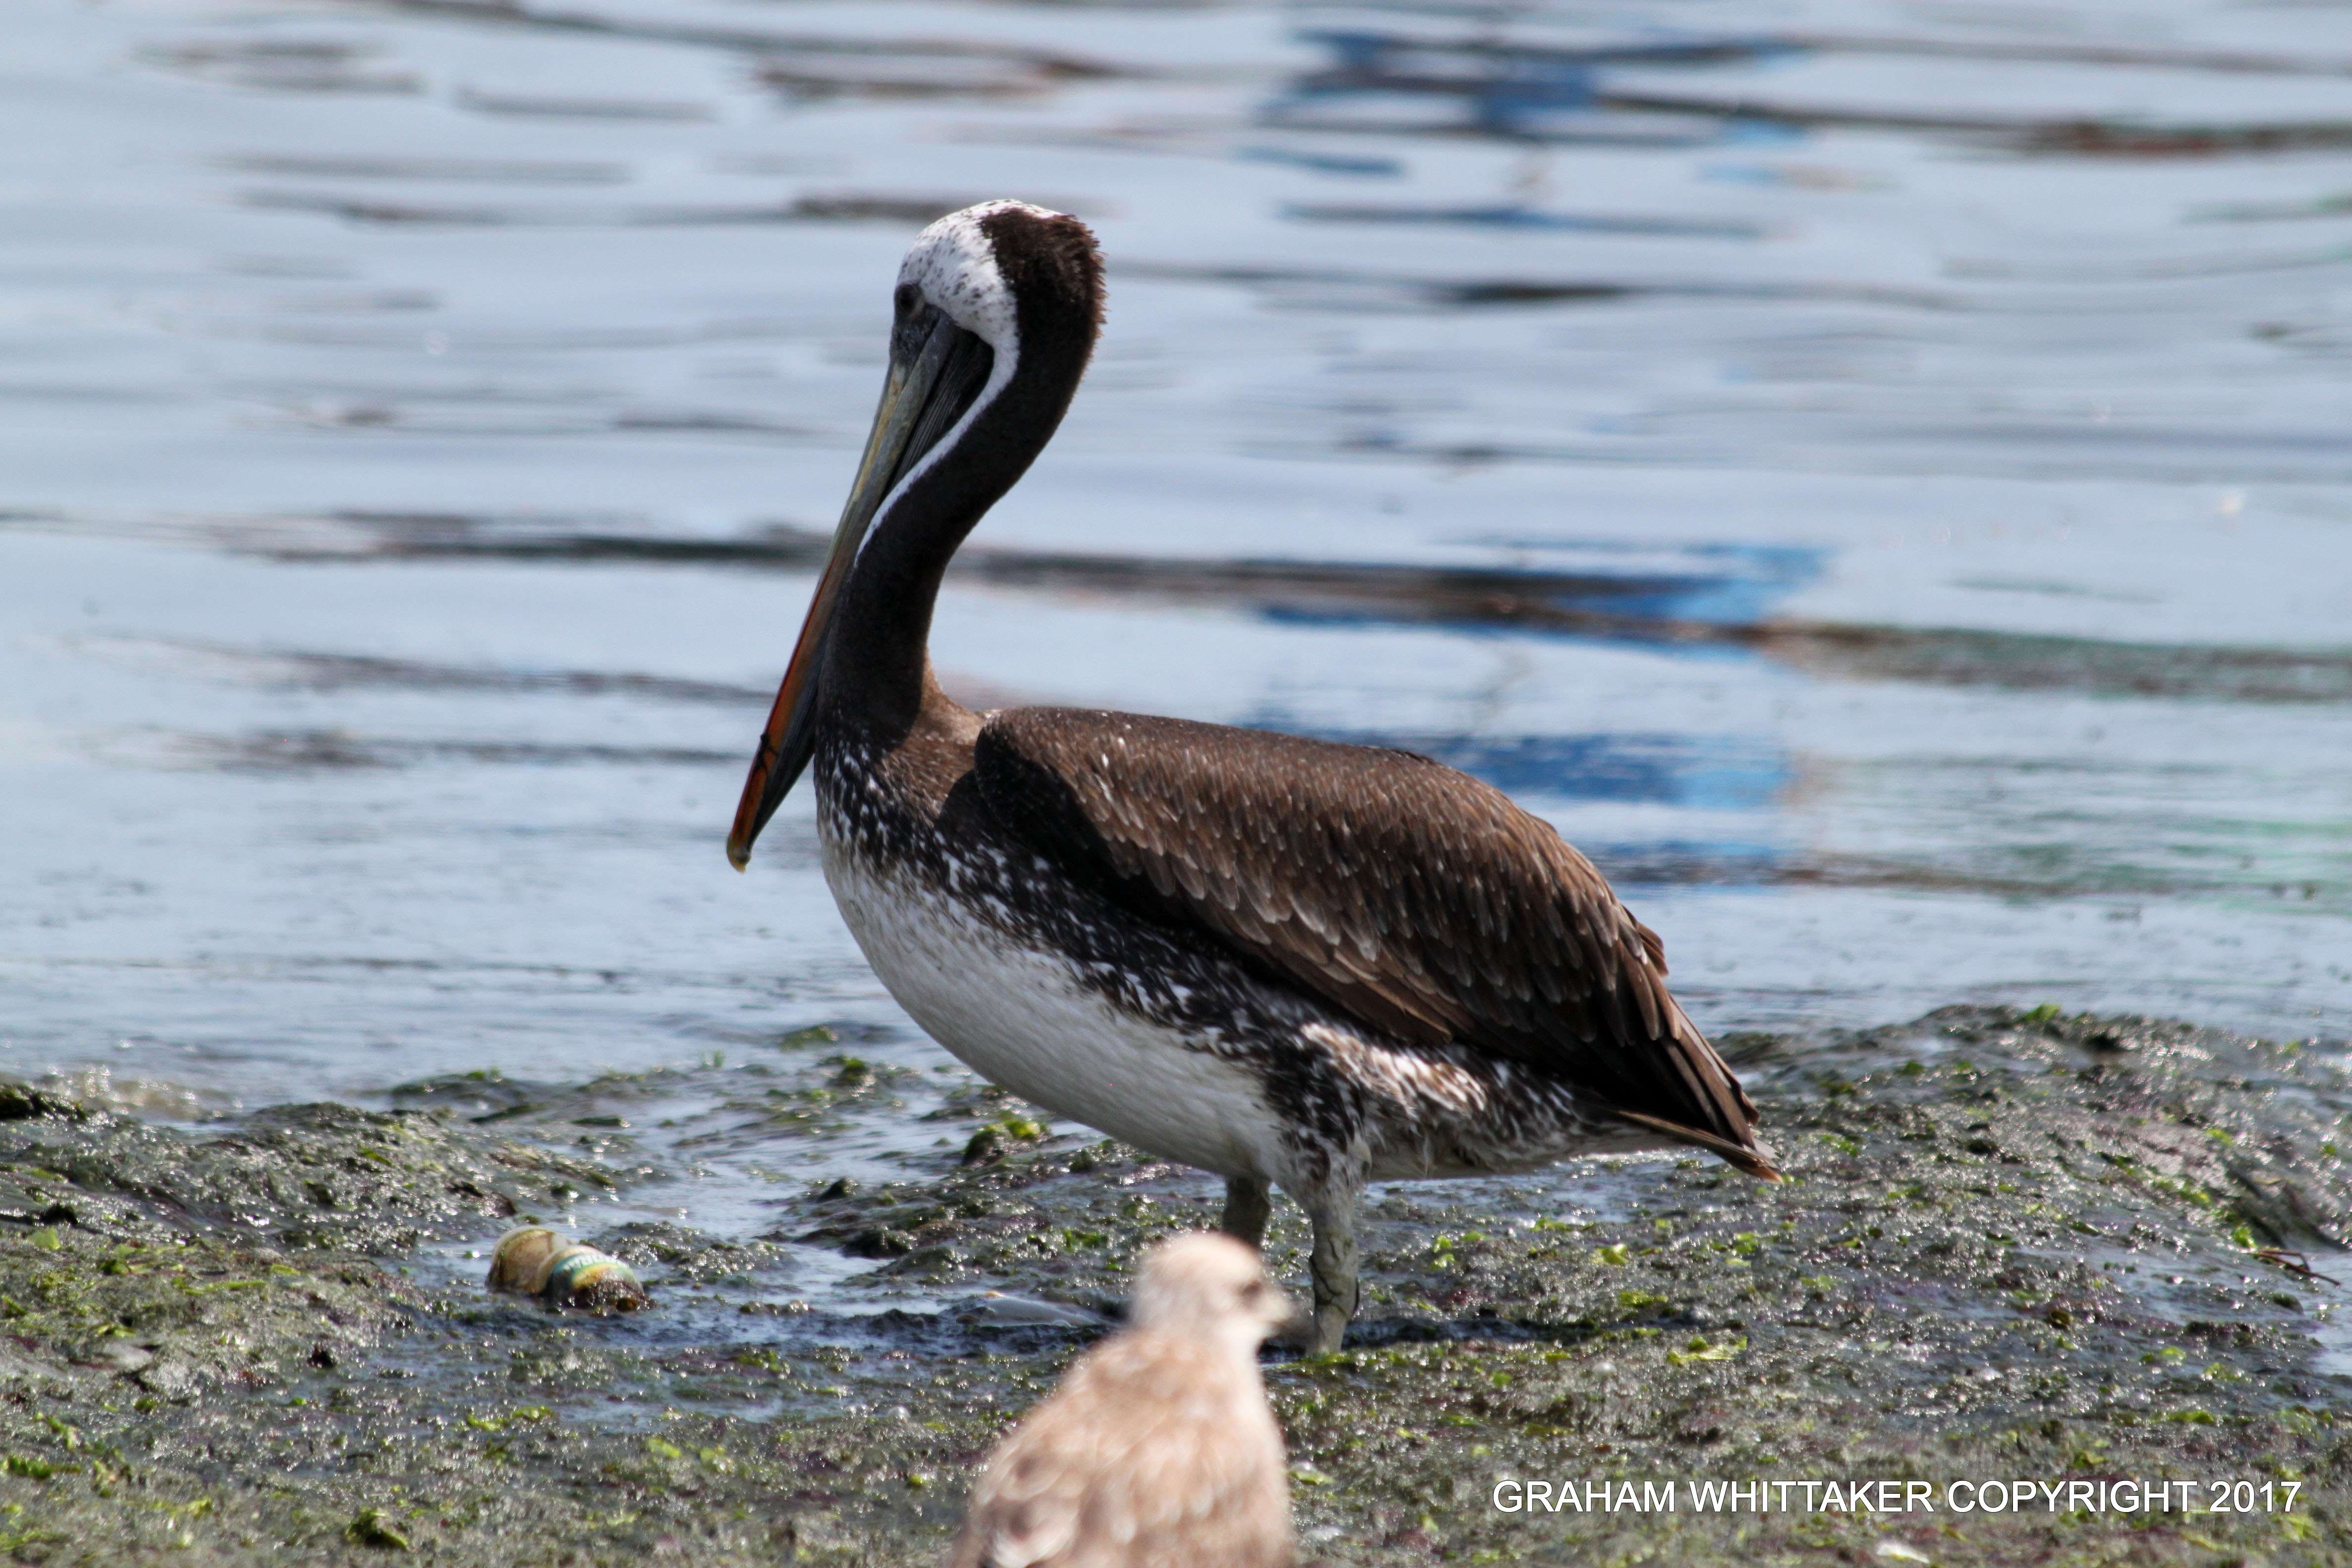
{"x": 994, "y": 318}
{"x": 1205, "y": 1285}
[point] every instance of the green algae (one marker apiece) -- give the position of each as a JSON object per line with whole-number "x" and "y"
{"x": 2012, "y": 1247}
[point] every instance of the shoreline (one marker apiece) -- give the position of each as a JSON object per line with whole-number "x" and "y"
{"x": 2019, "y": 1248}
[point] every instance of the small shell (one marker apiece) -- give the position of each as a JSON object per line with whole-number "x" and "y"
{"x": 534, "y": 1260}
{"x": 521, "y": 1260}
{"x": 596, "y": 1282}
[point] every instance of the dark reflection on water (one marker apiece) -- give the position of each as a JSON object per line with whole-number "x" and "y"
{"x": 1871, "y": 475}
{"x": 1514, "y": 216}
{"x": 1686, "y": 613}
{"x": 1529, "y": 92}
{"x": 303, "y": 750}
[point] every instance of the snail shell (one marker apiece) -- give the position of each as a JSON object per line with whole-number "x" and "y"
{"x": 520, "y": 1260}
{"x": 532, "y": 1260}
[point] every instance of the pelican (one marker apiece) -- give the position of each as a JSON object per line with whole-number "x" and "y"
{"x": 1291, "y": 963}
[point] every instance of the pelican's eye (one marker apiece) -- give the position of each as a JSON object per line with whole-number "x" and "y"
{"x": 906, "y": 298}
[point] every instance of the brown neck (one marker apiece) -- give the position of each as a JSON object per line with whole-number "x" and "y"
{"x": 877, "y": 664}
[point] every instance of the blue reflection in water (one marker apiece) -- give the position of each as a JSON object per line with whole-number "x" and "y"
{"x": 1364, "y": 167}
{"x": 1707, "y": 772}
{"x": 1508, "y": 88}
{"x": 1702, "y": 773}
{"x": 1644, "y": 607}
{"x": 1658, "y": 862}
{"x": 1696, "y": 773}
{"x": 1500, "y": 94}
{"x": 1762, "y": 576}
{"x": 1517, "y": 215}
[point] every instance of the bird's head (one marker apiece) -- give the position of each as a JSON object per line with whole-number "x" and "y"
{"x": 1208, "y": 1286}
{"x": 993, "y": 321}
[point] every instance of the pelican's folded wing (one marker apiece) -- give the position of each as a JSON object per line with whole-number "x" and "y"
{"x": 1411, "y": 896}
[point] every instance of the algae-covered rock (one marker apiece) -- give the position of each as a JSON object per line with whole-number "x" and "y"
{"x": 186, "y": 1260}
{"x": 325, "y": 1176}
{"x": 2014, "y": 1247}
{"x": 684, "y": 1253}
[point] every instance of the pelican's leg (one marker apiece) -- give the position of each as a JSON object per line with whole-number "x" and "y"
{"x": 1249, "y": 1204}
{"x": 1334, "y": 1269}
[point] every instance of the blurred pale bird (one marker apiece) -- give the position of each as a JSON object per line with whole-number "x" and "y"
{"x": 1159, "y": 1450}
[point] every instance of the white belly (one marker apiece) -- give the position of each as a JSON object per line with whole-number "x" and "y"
{"x": 1019, "y": 1018}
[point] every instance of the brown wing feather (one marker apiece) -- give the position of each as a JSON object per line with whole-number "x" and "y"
{"x": 1409, "y": 895}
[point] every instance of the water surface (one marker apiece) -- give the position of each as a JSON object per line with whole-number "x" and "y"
{"x": 1874, "y": 474}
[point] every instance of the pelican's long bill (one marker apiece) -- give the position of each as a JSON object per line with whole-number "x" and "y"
{"x": 937, "y": 370}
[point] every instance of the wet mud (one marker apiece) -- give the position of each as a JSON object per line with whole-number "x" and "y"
{"x": 2014, "y": 1245}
